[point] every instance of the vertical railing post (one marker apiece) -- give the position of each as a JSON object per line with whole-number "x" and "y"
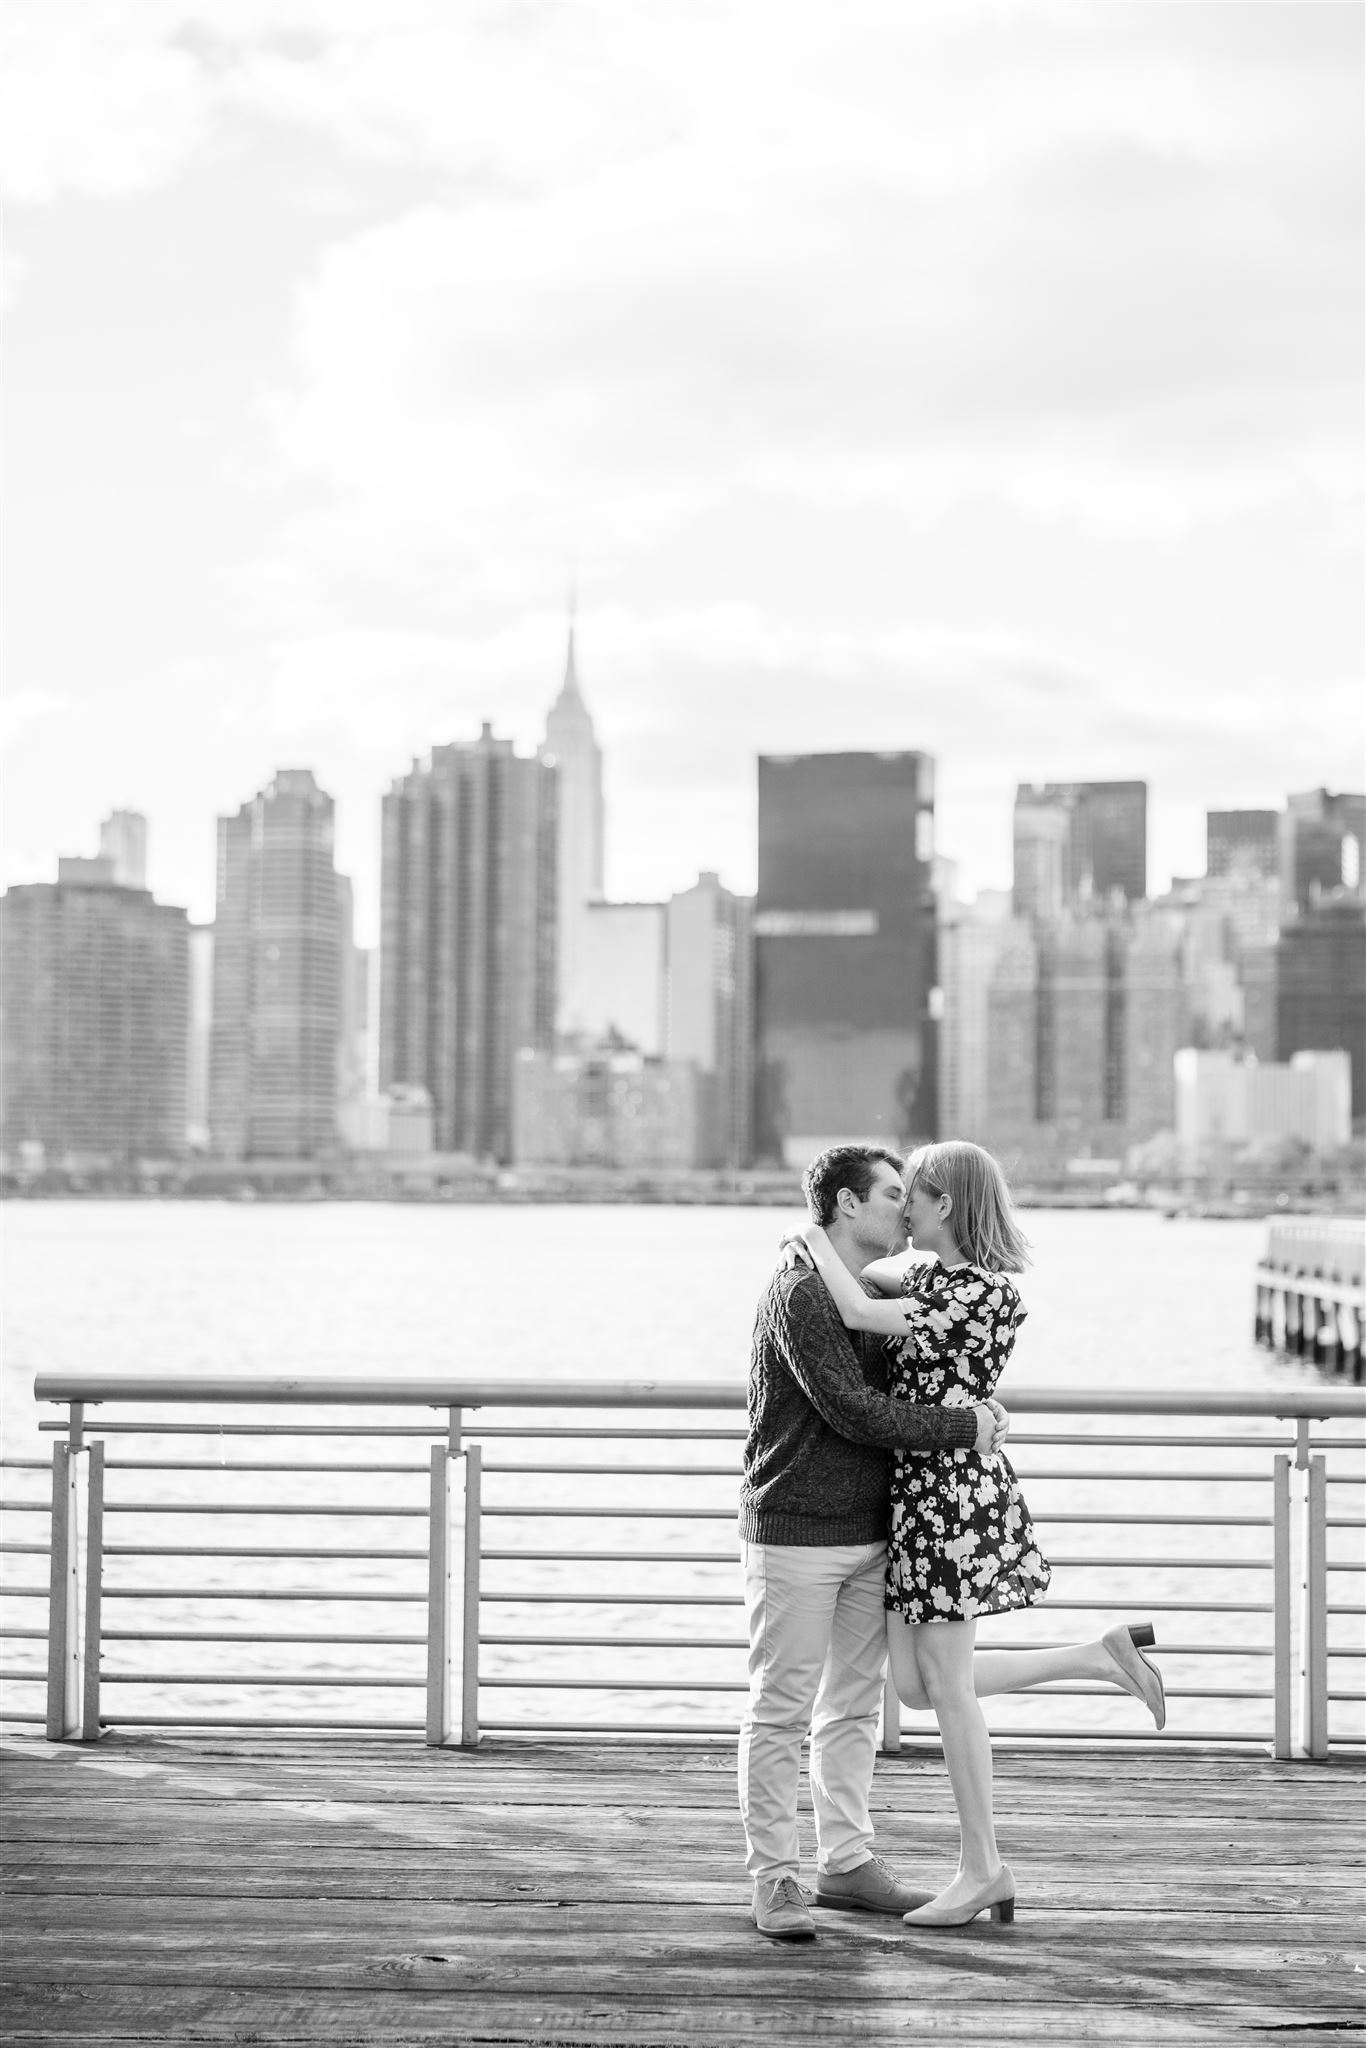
{"x": 73, "y": 1642}
{"x": 469, "y": 1659}
{"x": 453, "y": 1594}
{"x": 1314, "y": 1629}
{"x": 1282, "y": 1633}
{"x": 890, "y": 1739}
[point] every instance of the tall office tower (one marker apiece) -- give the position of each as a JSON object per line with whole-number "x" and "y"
{"x": 96, "y": 1014}
{"x": 1080, "y": 1026}
{"x": 1103, "y": 832}
{"x": 1321, "y": 841}
{"x": 844, "y": 930}
{"x": 123, "y": 840}
{"x": 1042, "y": 832}
{"x": 1241, "y": 842}
{"x": 277, "y": 945}
{"x": 467, "y": 934}
{"x": 972, "y": 938}
{"x": 572, "y": 744}
{"x": 708, "y": 1013}
{"x": 352, "y": 967}
{"x": 1155, "y": 1023}
{"x": 1012, "y": 1077}
{"x": 1321, "y": 986}
{"x": 201, "y": 1035}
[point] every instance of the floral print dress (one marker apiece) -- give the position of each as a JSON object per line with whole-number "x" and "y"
{"x": 962, "y": 1543}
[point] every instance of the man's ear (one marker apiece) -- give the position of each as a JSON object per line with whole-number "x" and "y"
{"x": 846, "y": 1201}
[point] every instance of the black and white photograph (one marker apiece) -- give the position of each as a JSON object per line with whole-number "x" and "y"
{"x": 682, "y": 1022}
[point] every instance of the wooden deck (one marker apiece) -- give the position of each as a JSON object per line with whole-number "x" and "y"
{"x": 214, "y": 1888}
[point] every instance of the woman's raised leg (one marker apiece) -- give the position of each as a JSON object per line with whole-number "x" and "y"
{"x": 1111, "y": 1659}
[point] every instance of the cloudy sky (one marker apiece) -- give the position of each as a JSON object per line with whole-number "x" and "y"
{"x": 985, "y": 378}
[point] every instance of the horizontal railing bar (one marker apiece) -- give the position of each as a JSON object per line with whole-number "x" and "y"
{"x": 592, "y": 1512}
{"x": 615, "y": 1642}
{"x": 34, "y": 1634}
{"x": 515, "y": 1683}
{"x": 1318, "y": 1403}
{"x": 257, "y": 1593}
{"x": 248, "y": 1550}
{"x": 1251, "y": 1738}
{"x": 1222, "y": 1564}
{"x": 256, "y": 1721}
{"x": 413, "y": 1684}
{"x": 25, "y": 1464}
{"x": 27, "y": 1549}
{"x": 1336, "y": 1522}
{"x": 254, "y": 1635}
{"x": 218, "y": 1429}
{"x": 25, "y": 1507}
{"x": 258, "y": 1507}
{"x": 259, "y": 1465}
{"x": 25, "y": 1592}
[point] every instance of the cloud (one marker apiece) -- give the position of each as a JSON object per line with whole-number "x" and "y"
{"x": 22, "y": 710}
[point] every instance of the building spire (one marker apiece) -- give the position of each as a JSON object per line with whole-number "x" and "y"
{"x": 571, "y": 696}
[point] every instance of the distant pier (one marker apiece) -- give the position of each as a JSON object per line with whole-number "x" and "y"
{"x": 1311, "y": 1292}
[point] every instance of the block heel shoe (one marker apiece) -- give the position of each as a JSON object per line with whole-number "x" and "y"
{"x": 996, "y": 1898}
{"x": 1125, "y": 1646}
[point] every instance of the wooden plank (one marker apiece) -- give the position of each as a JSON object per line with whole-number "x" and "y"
{"x": 168, "y": 1888}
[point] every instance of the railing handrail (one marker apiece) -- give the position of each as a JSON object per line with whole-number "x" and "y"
{"x": 366, "y": 1390}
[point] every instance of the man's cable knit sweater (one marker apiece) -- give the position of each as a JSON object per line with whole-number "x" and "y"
{"x": 821, "y": 1424}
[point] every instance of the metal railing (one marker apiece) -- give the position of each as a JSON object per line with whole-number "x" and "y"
{"x": 1265, "y": 1584}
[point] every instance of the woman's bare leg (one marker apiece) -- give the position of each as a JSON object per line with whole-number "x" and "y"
{"x": 996, "y": 1671}
{"x": 944, "y": 1656}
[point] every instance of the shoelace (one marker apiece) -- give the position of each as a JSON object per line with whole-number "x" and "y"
{"x": 787, "y": 1892}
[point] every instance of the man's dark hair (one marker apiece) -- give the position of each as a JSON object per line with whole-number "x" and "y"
{"x": 843, "y": 1166}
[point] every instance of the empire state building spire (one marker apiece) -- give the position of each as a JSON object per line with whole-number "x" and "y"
{"x": 572, "y": 743}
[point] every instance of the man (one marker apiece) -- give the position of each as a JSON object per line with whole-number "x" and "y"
{"x": 814, "y": 1506}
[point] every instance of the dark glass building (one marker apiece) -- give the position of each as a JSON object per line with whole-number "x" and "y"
{"x": 1320, "y": 986}
{"x": 1321, "y": 836}
{"x": 844, "y": 933}
{"x": 1241, "y": 841}
{"x": 1079, "y": 841}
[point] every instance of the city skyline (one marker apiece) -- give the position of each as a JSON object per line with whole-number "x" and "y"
{"x": 975, "y": 380}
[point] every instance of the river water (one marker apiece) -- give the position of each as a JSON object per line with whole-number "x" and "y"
{"x": 1115, "y": 1300}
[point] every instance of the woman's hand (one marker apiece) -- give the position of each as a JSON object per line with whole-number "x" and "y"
{"x": 793, "y": 1250}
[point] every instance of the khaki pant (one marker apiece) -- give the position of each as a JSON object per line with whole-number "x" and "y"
{"x": 817, "y": 1660}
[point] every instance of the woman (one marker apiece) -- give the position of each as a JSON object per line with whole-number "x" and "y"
{"x": 961, "y": 1542}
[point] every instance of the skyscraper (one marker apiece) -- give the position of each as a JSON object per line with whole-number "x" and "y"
{"x": 1321, "y": 840}
{"x": 571, "y": 744}
{"x": 1096, "y": 832}
{"x": 1240, "y": 842}
{"x": 95, "y": 1024}
{"x": 277, "y": 947}
{"x": 709, "y": 1013}
{"x": 972, "y": 940}
{"x": 468, "y": 933}
{"x": 1155, "y": 1023}
{"x": 1320, "y": 986}
{"x": 123, "y": 840}
{"x": 844, "y": 952}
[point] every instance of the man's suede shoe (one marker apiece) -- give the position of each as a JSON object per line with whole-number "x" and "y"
{"x": 780, "y": 1911}
{"x": 870, "y": 1887}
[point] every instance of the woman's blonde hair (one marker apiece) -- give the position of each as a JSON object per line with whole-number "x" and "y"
{"x": 981, "y": 1215}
